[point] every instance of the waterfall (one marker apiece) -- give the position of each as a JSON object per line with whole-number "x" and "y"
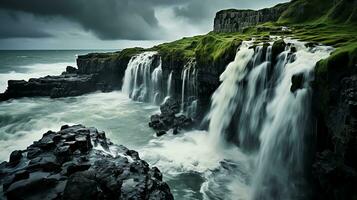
{"x": 270, "y": 122}
{"x": 224, "y": 99}
{"x": 169, "y": 85}
{"x": 156, "y": 77}
{"x": 189, "y": 88}
{"x": 143, "y": 77}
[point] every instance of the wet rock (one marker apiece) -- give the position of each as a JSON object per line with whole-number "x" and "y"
{"x": 15, "y": 157}
{"x": 168, "y": 118}
{"x": 160, "y": 133}
{"x": 277, "y": 48}
{"x": 311, "y": 44}
{"x": 297, "y": 82}
{"x": 65, "y": 165}
{"x": 334, "y": 98}
{"x": 71, "y": 70}
{"x": 51, "y": 86}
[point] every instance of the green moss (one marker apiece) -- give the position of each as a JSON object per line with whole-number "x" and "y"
{"x": 328, "y": 72}
{"x": 327, "y": 34}
{"x": 206, "y": 48}
{"x": 127, "y": 53}
{"x": 212, "y": 48}
{"x": 319, "y": 11}
{"x": 124, "y": 54}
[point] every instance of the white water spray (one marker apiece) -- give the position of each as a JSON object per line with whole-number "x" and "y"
{"x": 223, "y": 100}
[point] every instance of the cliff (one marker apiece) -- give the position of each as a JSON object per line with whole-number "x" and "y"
{"x": 233, "y": 20}
{"x": 96, "y": 72}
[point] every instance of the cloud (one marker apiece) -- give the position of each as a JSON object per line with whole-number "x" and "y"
{"x": 113, "y": 19}
{"x": 109, "y": 19}
{"x": 20, "y": 26}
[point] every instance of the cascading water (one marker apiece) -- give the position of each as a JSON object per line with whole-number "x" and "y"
{"x": 169, "y": 85}
{"x": 224, "y": 99}
{"x": 143, "y": 77}
{"x": 156, "y": 77}
{"x": 184, "y": 81}
{"x": 270, "y": 122}
{"x": 188, "y": 91}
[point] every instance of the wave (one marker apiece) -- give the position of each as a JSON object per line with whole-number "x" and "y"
{"x": 32, "y": 71}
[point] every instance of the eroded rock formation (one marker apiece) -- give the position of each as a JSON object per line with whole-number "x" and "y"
{"x": 79, "y": 163}
{"x": 233, "y": 20}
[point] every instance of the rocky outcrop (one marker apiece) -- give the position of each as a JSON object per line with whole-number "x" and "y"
{"x": 168, "y": 118}
{"x": 96, "y": 72}
{"x": 335, "y": 99}
{"x": 233, "y": 20}
{"x": 203, "y": 68}
{"x": 52, "y": 86}
{"x": 79, "y": 163}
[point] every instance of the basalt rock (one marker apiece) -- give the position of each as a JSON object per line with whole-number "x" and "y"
{"x": 296, "y": 82}
{"x": 237, "y": 20}
{"x": 169, "y": 118}
{"x": 69, "y": 165}
{"x": 51, "y": 86}
{"x": 335, "y": 101}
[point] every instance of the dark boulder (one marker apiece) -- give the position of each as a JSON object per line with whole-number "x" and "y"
{"x": 65, "y": 165}
{"x": 71, "y": 70}
{"x": 15, "y": 157}
{"x": 160, "y": 133}
{"x": 297, "y": 82}
{"x": 169, "y": 118}
{"x": 278, "y": 48}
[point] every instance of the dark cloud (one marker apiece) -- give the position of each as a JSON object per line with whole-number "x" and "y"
{"x": 109, "y": 19}
{"x": 114, "y": 19}
{"x": 197, "y": 11}
{"x": 20, "y": 26}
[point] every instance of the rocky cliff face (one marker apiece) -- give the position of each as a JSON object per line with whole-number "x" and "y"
{"x": 96, "y": 72}
{"x": 237, "y": 20}
{"x": 335, "y": 97}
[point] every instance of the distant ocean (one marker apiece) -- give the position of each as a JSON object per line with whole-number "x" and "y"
{"x": 25, "y": 64}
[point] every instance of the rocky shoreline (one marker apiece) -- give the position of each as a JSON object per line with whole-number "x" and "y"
{"x": 79, "y": 163}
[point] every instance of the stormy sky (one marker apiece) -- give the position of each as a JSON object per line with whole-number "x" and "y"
{"x": 108, "y": 24}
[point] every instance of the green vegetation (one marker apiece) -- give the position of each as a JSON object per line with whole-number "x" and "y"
{"x": 318, "y": 11}
{"x": 207, "y": 49}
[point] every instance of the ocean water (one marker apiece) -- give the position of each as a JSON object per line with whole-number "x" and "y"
{"x": 190, "y": 166}
{"x": 25, "y": 64}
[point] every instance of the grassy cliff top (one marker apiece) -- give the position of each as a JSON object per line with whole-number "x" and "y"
{"x": 328, "y": 22}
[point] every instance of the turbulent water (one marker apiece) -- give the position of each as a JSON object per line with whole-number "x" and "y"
{"x": 125, "y": 121}
{"x": 253, "y": 108}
